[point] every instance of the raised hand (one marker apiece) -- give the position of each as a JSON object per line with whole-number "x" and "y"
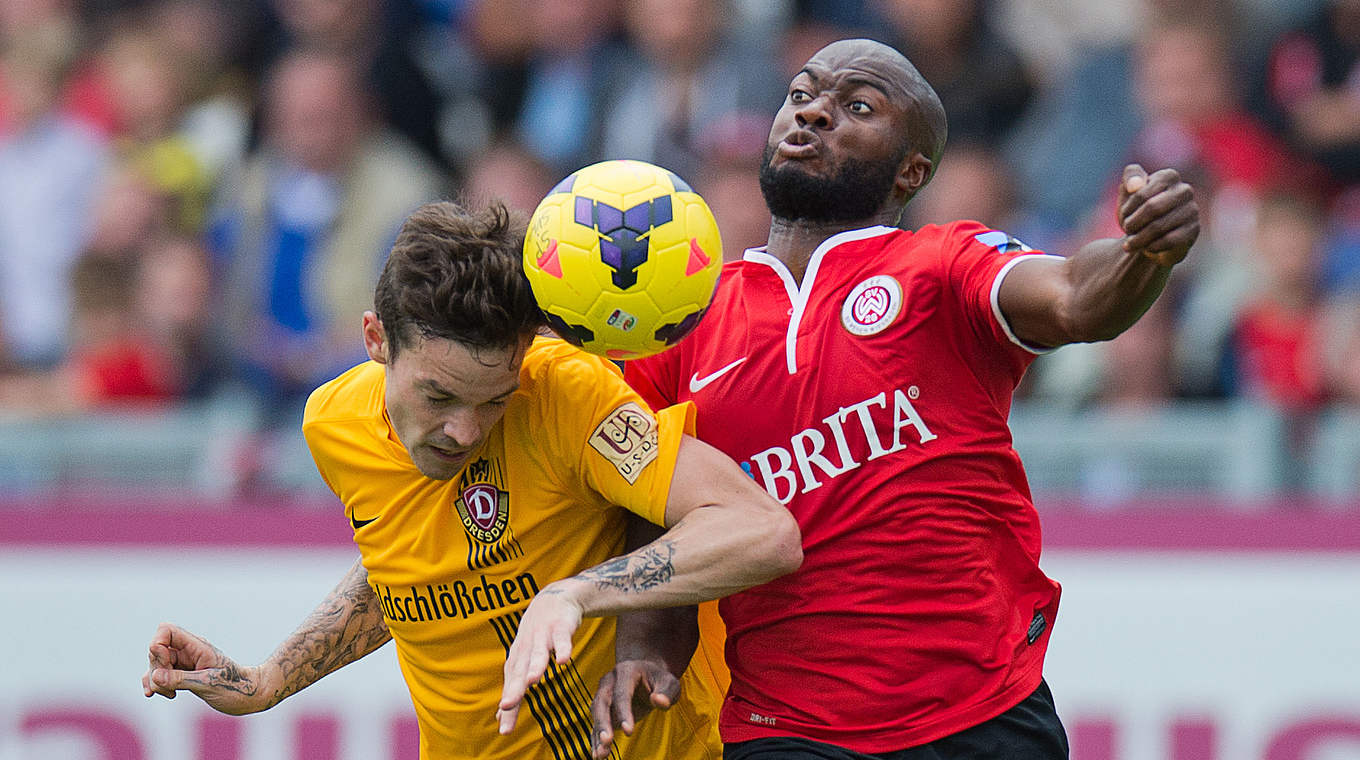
{"x": 1158, "y": 214}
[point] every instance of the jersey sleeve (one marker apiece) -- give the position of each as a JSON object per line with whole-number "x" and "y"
{"x": 337, "y": 424}
{"x": 319, "y": 442}
{"x": 620, "y": 451}
{"x": 975, "y": 261}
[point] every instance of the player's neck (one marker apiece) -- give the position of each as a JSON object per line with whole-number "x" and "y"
{"x": 793, "y": 242}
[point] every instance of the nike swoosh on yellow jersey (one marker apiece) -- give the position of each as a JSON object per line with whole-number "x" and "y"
{"x": 357, "y": 523}
{"x": 697, "y": 383}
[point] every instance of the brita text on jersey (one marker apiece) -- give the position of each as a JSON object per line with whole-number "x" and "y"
{"x": 783, "y": 469}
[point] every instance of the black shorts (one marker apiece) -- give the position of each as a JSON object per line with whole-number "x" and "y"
{"x": 1029, "y": 731}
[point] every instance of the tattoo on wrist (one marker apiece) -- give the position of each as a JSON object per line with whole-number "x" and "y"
{"x": 345, "y": 627}
{"x": 644, "y": 569}
{"x": 231, "y": 677}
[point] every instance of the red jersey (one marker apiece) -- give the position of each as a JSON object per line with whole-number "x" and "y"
{"x": 873, "y": 402}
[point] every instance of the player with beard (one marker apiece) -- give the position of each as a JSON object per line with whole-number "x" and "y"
{"x": 863, "y": 375}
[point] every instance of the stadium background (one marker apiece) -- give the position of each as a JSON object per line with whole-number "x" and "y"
{"x": 195, "y": 195}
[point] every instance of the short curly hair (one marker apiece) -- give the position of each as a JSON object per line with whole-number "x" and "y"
{"x": 458, "y": 275}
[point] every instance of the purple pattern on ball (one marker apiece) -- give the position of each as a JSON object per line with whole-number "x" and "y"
{"x": 564, "y": 186}
{"x": 611, "y": 254}
{"x": 623, "y": 245}
{"x": 608, "y": 217}
{"x": 635, "y": 218}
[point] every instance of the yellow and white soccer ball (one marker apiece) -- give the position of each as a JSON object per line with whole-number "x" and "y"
{"x": 623, "y": 258}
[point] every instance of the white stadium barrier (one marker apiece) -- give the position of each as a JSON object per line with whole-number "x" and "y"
{"x": 1183, "y": 634}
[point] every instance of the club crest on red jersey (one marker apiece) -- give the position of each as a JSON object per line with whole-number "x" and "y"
{"x": 872, "y": 305}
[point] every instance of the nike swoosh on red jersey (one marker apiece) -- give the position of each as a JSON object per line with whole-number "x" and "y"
{"x": 697, "y": 383}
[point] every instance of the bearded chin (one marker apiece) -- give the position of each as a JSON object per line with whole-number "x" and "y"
{"x": 856, "y": 190}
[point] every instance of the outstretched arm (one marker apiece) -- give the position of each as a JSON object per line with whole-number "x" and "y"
{"x": 724, "y": 534}
{"x": 1104, "y": 288}
{"x": 347, "y": 625}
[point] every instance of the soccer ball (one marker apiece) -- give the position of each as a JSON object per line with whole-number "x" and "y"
{"x": 623, "y": 258}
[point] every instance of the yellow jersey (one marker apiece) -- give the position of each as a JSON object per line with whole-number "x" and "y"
{"x": 455, "y": 562}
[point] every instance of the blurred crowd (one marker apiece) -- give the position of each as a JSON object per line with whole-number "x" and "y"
{"x": 197, "y": 195}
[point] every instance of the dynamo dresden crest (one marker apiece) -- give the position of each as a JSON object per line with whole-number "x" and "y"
{"x": 872, "y": 306}
{"x": 485, "y": 511}
{"x": 484, "y": 508}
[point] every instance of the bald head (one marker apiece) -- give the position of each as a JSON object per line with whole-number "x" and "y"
{"x": 926, "y": 127}
{"x": 859, "y": 133}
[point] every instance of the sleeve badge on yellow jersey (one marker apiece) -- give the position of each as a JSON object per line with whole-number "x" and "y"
{"x": 628, "y": 439}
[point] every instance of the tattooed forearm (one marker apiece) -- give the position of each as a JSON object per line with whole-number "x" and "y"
{"x": 643, "y": 569}
{"x": 347, "y": 625}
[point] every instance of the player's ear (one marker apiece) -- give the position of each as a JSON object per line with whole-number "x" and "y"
{"x": 375, "y": 338}
{"x": 913, "y": 174}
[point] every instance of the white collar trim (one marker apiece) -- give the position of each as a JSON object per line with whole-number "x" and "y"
{"x": 799, "y": 296}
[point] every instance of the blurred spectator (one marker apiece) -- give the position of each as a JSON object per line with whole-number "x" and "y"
{"x": 1194, "y": 120}
{"x": 174, "y": 304}
{"x": 1192, "y": 111}
{"x": 1341, "y": 268}
{"x": 1071, "y": 145}
{"x": 1190, "y": 117}
{"x": 979, "y": 76}
{"x": 1075, "y": 137}
{"x": 50, "y": 166}
{"x": 510, "y": 172}
{"x": 147, "y": 83}
{"x": 403, "y": 95}
{"x": 1054, "y": 37}
{"x": 130, "y": 210}
{"x": 50, "y": 23}
{"x": 1138, "y": 370}
{"x": 208, "y": 38}
{"x": 682, "y": 74}
{"x": 1309, "y": 89}
{"x": 975, "y": 182}
{"x": 814, "y": 25}
{"x": 1278, "y": 344}
{"x": 505, "y": 45}
{"x": 1290, "y": 346}
{"x": 303, "y": 230}
{"x": 1341, "y": 348}
{"x": 549, "y": 78}
{"x": 20, "y": 17}
{"x": 840, "y": 14}
{"x": 728, "y": 180}
{"x": 111, "y": 360}
{"x": 971, "y": 184}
